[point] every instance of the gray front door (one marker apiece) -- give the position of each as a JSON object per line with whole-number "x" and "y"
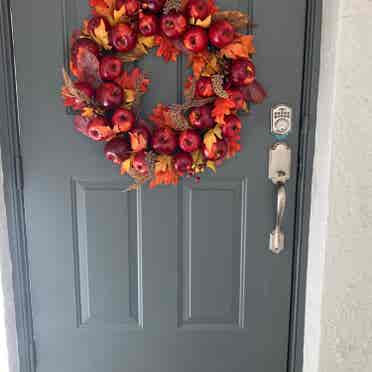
{"x": 170, "y": 280}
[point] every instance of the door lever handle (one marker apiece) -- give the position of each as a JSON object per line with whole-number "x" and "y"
{"x": 277, "y": 235}
{"x": 279, "y": 174}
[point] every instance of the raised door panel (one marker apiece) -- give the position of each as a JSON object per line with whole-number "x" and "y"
{"x": 213, "y": 254}
{"x": 108, "y": 254}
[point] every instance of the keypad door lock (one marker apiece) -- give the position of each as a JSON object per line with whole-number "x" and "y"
{"x": 281, "y": 120}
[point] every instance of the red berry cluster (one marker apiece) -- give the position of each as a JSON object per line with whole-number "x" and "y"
{"x": 107, "y": 111}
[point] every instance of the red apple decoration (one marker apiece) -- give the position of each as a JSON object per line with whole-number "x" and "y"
{"x": 195, "y": 39}
{"x": 201, "y": 117}
{"x": 148, "y": 24}
{"x": 255, "y": 92}
{"x": 173, "y": 24}
{"x": 164, "y": 141}
{"x": 123, "y": 120}
{"x": 153, "y": 5}
{"x": 182, "y": 163}
{"x": 123, "y": 37}
{"x": 243, "y": 72}
{"x": 139, "y": 138}
{"x": 217, "y": 152}
{"x": 117, "y": 150}
{"x": 198, "y": 9}
{"x": 221, "y": 33}
{"x": 110, "y": 67}
{"x": 189, "y": 140}
{"x": 99, "y": 129}
{"x": 131, "y": 7}
{"x": 204, "y": 87}
{"x": 140, "y": 163}
{"x": 238, "y": 97}
{"x": 232, "y": 126}
{"x": 109, "y": 95}
{"x": 85, "y": 89}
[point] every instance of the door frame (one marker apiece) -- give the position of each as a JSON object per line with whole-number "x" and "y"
{"x": 13, "y": 188}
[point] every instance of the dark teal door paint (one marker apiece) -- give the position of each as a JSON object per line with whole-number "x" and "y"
{"x": 175, "y": 279}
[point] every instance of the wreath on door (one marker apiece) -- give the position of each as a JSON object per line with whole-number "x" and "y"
{"x": 184, "y": 139}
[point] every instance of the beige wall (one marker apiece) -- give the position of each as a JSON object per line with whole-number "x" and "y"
{"x": 346, "y": 325}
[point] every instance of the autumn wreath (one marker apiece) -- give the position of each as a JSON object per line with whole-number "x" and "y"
{"x": 186, "y": 138}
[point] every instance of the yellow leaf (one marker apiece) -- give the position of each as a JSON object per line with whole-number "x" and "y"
{"x": 147, "y": 41}
{"x": 212, "y": 165}
{"x": 101, "y": 35}
{"x": 87, "y": 112}
{"x": 130, "y": 95}
{"x": 163, "y": 163}
{"x": 118, "y": 14}
{"x": 205, "y": 23}
{"x": 217, "y": 131}
{"x": 125, "y": 166}
{"x": 211, "y": 67}
{"x": 209, "y": 139}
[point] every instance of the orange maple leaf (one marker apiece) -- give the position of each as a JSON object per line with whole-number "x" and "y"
{"x": 161, "y": 116}
{"x": 130, "y": 80}
{"x": 137, "y": 141}
{"x": 103, "y": 8}
{"x": 241, "y": 47}
{"x": 164, "y": 172}
{"x": 167, "y": 49}
{"x": 204, "y": 64}
{"x": 222, "y": 107}
{"x": 125, "y": 166}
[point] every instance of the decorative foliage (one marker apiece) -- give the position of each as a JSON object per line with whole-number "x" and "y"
{"x": 185, "y": 139}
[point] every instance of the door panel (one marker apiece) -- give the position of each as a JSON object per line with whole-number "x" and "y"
{"x": 172, "y": 279}
{"x": 107, "y": 255}
{"x": 213, "y": 254}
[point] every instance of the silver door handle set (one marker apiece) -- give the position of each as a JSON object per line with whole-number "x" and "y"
{"x": 280, "y": 171}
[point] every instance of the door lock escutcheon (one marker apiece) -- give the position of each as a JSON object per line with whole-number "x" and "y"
{"x": 281, "y": 120}
{"x": 279, "y": 174}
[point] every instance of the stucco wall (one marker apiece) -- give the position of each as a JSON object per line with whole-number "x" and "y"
{"x": 346, "y": 325}
{"x": 8, "y": 338}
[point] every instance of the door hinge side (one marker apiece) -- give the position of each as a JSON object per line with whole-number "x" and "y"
{"x": 19, "y": 172}
{"x": 33, "y": 355}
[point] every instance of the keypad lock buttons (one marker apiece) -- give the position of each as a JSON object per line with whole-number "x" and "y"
{"x": 281, "y": 120}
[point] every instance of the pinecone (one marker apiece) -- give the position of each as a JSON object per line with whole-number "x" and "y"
{"x": 169, "y": 5}
{"x": 217, "y": 83}
{"x": 178, "y": 119}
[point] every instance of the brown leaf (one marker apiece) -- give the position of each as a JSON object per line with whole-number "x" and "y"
{"x": 87, "y": 67}
{"x": 236, "y": 18}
